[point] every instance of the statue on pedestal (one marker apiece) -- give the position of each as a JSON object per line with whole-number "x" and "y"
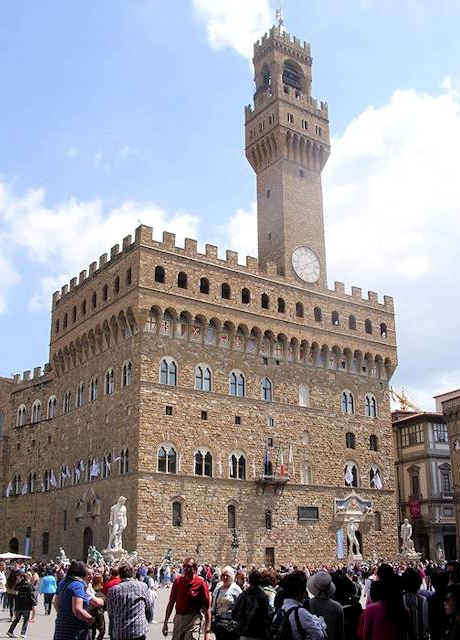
{"x": 117, "y": 524}
{"x": 407, "y": 546}
{"x": 61, "y": 557}
{"x": 352, "y": 528}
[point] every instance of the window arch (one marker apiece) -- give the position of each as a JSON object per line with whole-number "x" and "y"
{"x": 124, "y": 461}
{"x": 267, "y": 390}
{"x": 281, "y": 305}
{"x": 168, "y": 372}
{"x": 93, "y": 390}
{"x": 116, "y": 284}
{"x": 335, "y": 318}
{"x": 74, "y": 314}
{"x": 177, "y": 514}
{"x": 51, "y": 407}
{"x": 167, "y": 459}
{"x": 351, "y": 474}
{"x": 21, "y": 416}
{"x": 109, "y": 382}
{"x": 31, "y": 482}
{"x": 182, "y": 280}
{"x": 127, "y": 373}
{"x": 350, "y": 440}
{"x": 67, "y": 401}
{"x": 203, "y": 377}
{"x": 375, "y": 477}
{"x": 204, "y": 285}
{"x": 106, "y": 465}
{"x": 237, "y": 464}
{"x": 159, "y": 274}
{"x": 368, "y": 326}
{"x": 268, "y": 519}
{"x": 83, "y": 308}
{"x": 264, "y": 301}
{"x": 304, "y": 396}
{"x": 293, "y": 75}
{"x": 373, "y": 443}
{"x": 65, "y": 322}
{"x": 203, "y": 463}
{"x": 299, "y": 310}
{"x": 370, "y": 405}
{"x": 225, "y": 291}
{"x": 80, "y": 395}
{"x": 231, "y": 516}
{"x": 317, "y": 314}
{"x": 94, "y": 300}
{"x": 56, "y": 326}
{"x": 307, "y": 474}
{"x": 36, "y": 415}
{"x": 383, "y": 330}
{"x": 352, "y": 322}
{"x": 245, "y": 296}
{"x": 105, "y": 292}
{"x": 129, "y": 276}
{"x": 237, "y": 384}
{"x": 347, "y": 402}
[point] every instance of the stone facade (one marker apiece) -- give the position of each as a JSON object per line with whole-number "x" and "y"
{"x": 280, "y": 425}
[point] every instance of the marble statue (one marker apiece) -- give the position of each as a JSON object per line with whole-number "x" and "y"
{"x": 95, "y": 558}
{"x": 406, "y": 537}
{"x": 117, "y": 524}
{"x": 352, "y": 528}
{"x": 440, "y": 554}
{"x": 61, "y": 557}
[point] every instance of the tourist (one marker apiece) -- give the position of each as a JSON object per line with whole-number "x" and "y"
{"x": 223, "y": 600}
{"x": 112, "y": 581}
{"x": 48, "y": 587}
{"x": 416, "y": 604}
{"x": 303, "y": 624}
{"x": 385, "y": 618}
{"x": 3, "y": 586}
{"x": 436, "y": 613}
{"x": 268, "y": 586}
{"x": 322, "y": 588}
{"x": 97, "y": 611}
{"x": 190, "y": 596}
{"x": 129, "y": 607}
{"x": 453, "y": 571}
{"x": 251, "y": 610}
{"x": 25, "y": 602}
{"x": 71, "y": 603}
{"x": 11, "y": 591}
{"x": 240, "y": 579}
{"x": 452, "y": 609}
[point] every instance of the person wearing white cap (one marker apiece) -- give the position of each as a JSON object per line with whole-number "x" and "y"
{"x": 224, "y": 597}
{"x": 322, "y": 588}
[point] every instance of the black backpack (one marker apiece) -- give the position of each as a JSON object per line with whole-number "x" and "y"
{"x": 280, "y": 628}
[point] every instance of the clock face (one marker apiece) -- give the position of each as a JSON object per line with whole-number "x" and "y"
{"x": 306, "y": 264}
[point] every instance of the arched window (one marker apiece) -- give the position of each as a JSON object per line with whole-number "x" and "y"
{"x": 266, "y": 77}
{"x": 383, "y": 330}
{"x": 116, "y": 284}
{"x": 182, "y": 280}
{"x": 299, "y": 310}
{"x": 159, "y": 274}
{"x": 83, "y": 308}
{"x": 127, "y": 373}
{"x": 317, "y": 314}
{"x": 109, "y": 382}
{"x": 268, "y": 519}
{"x": 105, "y": 292}
{"x": 377, "y": 521}
{"x": 350, "y": 440}
{"x": 21, "y": 416}
{"x": 245, "y": 296}
{"x": 167, "y": 459}
{"x": 347, "y": 402}
{"x": 106, "y": 465}
{"x": 80, "y": 395}
{"x": 370, "y": 405}
{"x": 65, "y": 321}
{"x": 237, "y": 465}
{"x": 129, "y": 276}
{"x": 231, "y": 516}
{"x": 51, "y": 407}
{"x": 375, "y": 477}
{"x": 67, "y": 401}
{"x": 351, "y": 474}
{"x": 74, "y": 314}
{"x": 203, "y": 463}
{"x": 204, "y": 285}
{"x": 168, "y": 372}
{"x": 303, "y": 396}
{"x": 307, "y": 475}
{"x": 293, "y": 76}
{"x": 264, "y": 301}
{"x": 267, "y": 387}
{"x": 335, "y": 318}
{"x": 237, "y": 384}
{"x": 31, "y": 482}
{"x": 56, "y": 326}
{"x": 93, "y": 390}
{"x": 36, "y": 412}
{"x": 373, "y": 443}
{"x": 281, "y": 305}
{"x": 203, "y": 378}
{"x": 124, "y": 461}
{"x": 177, "y": 514}
{"x": 94, "y": 300}
{"x": 225, "y": 291}
{"x": 368, "y": 326}
{"x": 352, "y": 322}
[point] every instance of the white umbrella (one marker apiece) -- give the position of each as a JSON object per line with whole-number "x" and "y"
{"x": 12, "y": 556}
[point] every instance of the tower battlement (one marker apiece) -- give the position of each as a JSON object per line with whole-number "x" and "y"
{"x": 277, "y": 36}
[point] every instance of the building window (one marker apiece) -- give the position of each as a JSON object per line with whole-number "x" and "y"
{"x": 106, "y": 465}
{"x": 351, "y": 474}
{"x": 182, "y": 280}
{"x": 231, "y": 516}
{"x": 177, "y": 514}
{"x": 109, "y": 382}
{"x": 307, "y": 474}
{"x": 159, "y": 274}
{"x": 74, "y": 314}
{"x": 368, "y": 326}
{"x": 238, "y": 466}
{"x": 65, "y": 322}
{"x": 299, "y": 310}
{"x": 290, "y": 118}
{"x": 245, "y": 296}
{"x": 51, "y": 407}
{"x": 307, "y": 514}
{"x": 237, "y": 384}
{"x": 264, "y": 301}
{"x": 383, "y": 330}
{"x": 370, "y": 405}
{"x": 267, "y": 390}
{"x": 377, "y": 521}
{"x": 225, "y": 291}
{"x": 268, "y": 519}
{"x": 80, "y": 395}
{"x": 167, "y": 459}
{"x": 411, "y": 435}
{"x": 168, "y": 372}
{"x": 317, "y": 314}
{"x": 124, "y": 461}
{"x": 83, "y": 308}
{"x": 281, "y": 305}
{"x": 238, "y": 420}
{"x": 204, "y": 415}
{"x": 375, "y": 477}
{"x": 21, "y": 416}
{"x": 56, "y": 326}
{"x": 303, "y": 396}
{"x": 335, "y": 318}
{"x": 440, "y": 433}
{"x": 347, "y": 402}
{"x": 94, "y": 300}
{"x": 105, "y": 292}
{"x": 415, "y": 484}
{"x": 93, "y": 390}
{"x": 352, "y": 322}
{"x": 129, "y": 276}
{"x": 350, "y": 440}
{"x": 67, "y": 401}
{"x": 36, "y": 412}
{"x": 203, "y": 463}
{"x": 204, "y": 285}
{"x": 446, "y": 485}
{"x": 45, "y": 543}
{"x": 116, "y": 284}
{"x": 203, "y": 378}
{"x": 169, "y": 410}
{"x": 373, "y": 443}
{"x": 127, "y": 374}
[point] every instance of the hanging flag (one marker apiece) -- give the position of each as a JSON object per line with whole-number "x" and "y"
{"x": 283, "y": 470}
{"x": 348, "y": 476}
{"x": 77, "y": 473}
{"x": 291, "y": 460}
{"x": 117, "y": 459}
{"x": 53, "y": 481}
{"x": 24, "y": 489}
{"x": 267, "y": 470}
{"x": 9, "y": 489}
{"x": 377, "y": 480}
{"x": 67, "y": 472}
{"x": 95, "y": 469}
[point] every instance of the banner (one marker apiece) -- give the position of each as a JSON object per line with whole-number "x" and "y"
{"x": 414, "y": 508}
{"x": 340, "y": 554}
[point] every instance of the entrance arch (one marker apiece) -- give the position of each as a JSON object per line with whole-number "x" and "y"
{"x": 87, "y": 541}
{"x": 14, "y": 545}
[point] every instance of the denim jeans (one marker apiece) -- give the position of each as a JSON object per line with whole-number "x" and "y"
{"x": 25, "y": 615}
{"x": 48, "y": 599}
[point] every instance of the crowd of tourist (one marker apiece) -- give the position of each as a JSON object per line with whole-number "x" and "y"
{"x": 384, "y": 602}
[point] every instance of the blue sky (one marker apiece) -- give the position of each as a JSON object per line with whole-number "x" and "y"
{"x": 126, "y": 110}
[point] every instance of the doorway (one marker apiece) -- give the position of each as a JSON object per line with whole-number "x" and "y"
{"x": 87, "y": 542}
{"x": 14, "y": 545}
{"x": 270, "y": 557}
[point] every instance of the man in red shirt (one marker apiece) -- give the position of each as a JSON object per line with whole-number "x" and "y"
{"x": 190, "y": 595}
{"x": 114, "y": 579}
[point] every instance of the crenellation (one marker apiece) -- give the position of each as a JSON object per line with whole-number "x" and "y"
{"x": 16, "y": 378}
{"x": 252, "y": 264}
{"x": 82, "y": 277}
{"x": 56, "y": 298}
{"x": 143, "y": 234}
{"x": 388, "y": 303}
{"x": 169, "y": 240}
{"x": 92, "y": 268}
{"x": 190, "y": 247}
{"x": 127, "y": 242}
{"x": 37, "y": 372}
{"x": 26, "y": 375}
{"x": 271, "y": 269}
{"x": 211, "y": 251}
{"x": 372, "y": 297}
{"x": 64, "y": 290}
{"x": 114, "y": 251}
{"x": 357, "y": 292}
{"x": 231, "y": 257}
{"x": 339, "y": 287}
{"x": 73, "y": 283}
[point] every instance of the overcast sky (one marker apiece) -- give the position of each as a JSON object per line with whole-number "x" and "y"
{"x": 120, "y": 111}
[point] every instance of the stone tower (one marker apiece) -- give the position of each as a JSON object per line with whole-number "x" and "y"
{"x": 287, "y": 145}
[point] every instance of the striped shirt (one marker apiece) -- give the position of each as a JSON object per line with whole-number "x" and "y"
{"x": 130, "y": 609}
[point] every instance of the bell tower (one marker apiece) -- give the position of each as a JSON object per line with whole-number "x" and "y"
{"x": 287, "y": 145}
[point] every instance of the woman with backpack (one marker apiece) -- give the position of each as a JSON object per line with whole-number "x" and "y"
{"x": 252, "y": 610}
{"x": 223, "y": 600}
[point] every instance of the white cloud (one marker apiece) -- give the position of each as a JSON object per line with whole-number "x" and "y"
{"x": 235, "y": 24}
{"x": 9, "y": 278}
{"x": 240, "y": 233}
{"x": 72, "y": 152}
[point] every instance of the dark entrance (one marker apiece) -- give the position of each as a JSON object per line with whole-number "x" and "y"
{"x": 14, "y": 545}
{"x": 270, "y": 556}
{"x": 87, "y": 541}
{"x": 450, "y": 547}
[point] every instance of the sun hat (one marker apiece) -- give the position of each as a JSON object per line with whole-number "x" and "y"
{"x": 321, "y": 583}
